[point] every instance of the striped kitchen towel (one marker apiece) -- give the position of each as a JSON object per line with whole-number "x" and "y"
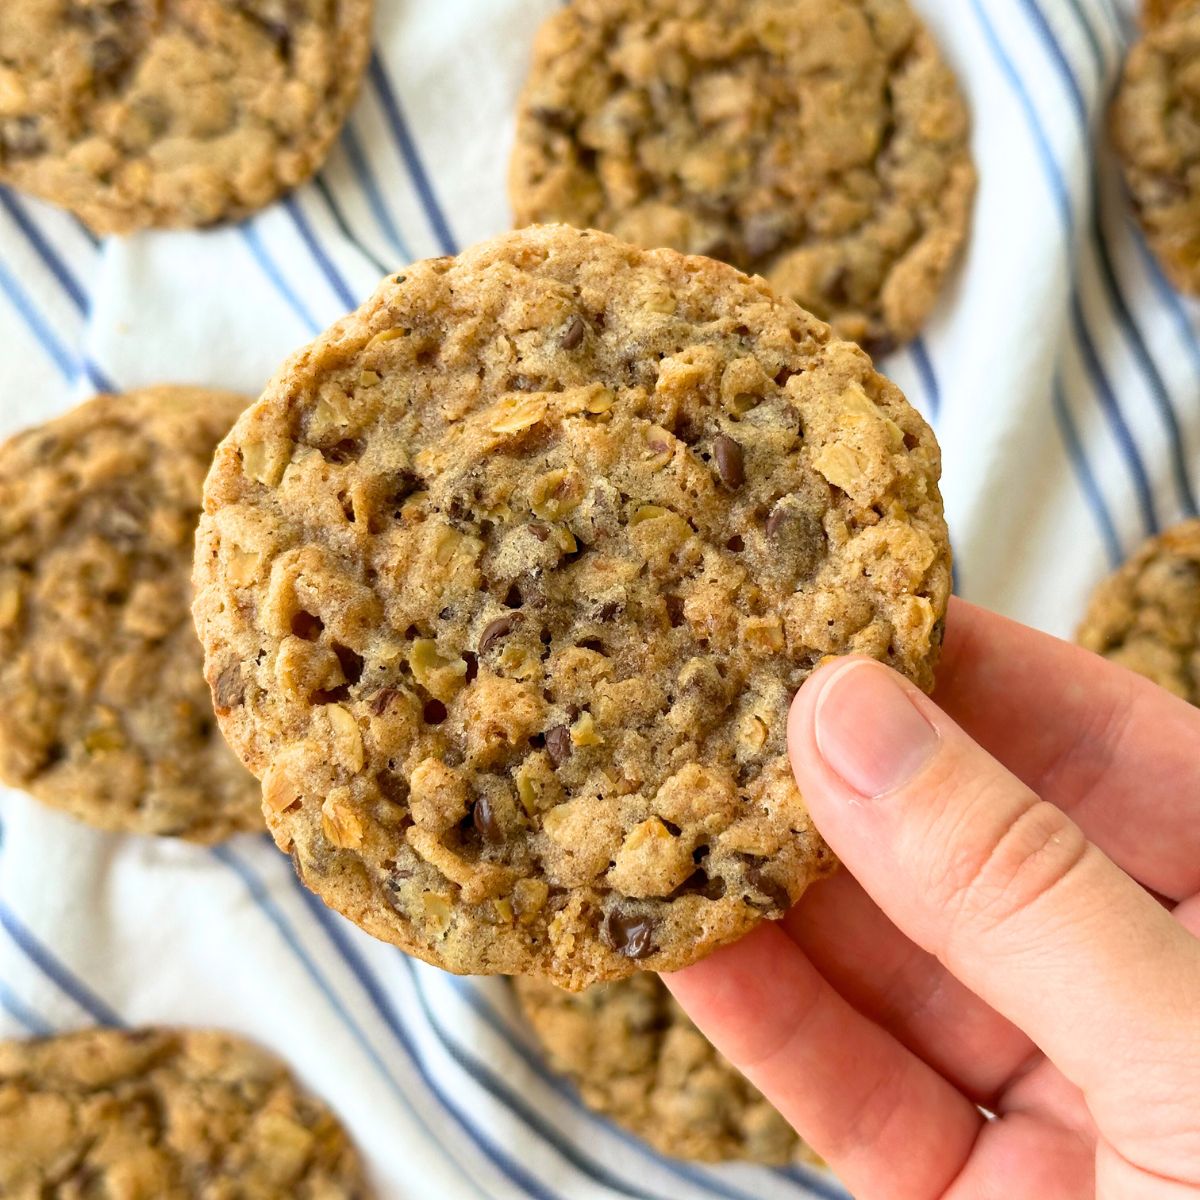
{"x": 1062, "y": 375}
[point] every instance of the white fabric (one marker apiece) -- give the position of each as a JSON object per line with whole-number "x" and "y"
{"x": 1067, "y": 401}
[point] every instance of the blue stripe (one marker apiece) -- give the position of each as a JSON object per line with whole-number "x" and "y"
{"x": 1167, "y": 294}
{"x": 929, "y": 380}
{"x": 56, "y": 972}
{"x": 54, "y": 349}
{"x": 366, "y": 180}
{"x": 262, "y": 897}
{"x": 332, "y": 274}
{"x": 22, "y": 1013}
{"x": 87, "y": 233}
{"x": 1093, "y": 41}
{"x": 412, "y": 160}
{"x": 1062, "y": 195}
{"x": 43, "y": 249}
{"x": 1087, "y": 481}
{"x": 272, "y": 272}
{"x": 1158, "y": 387}
{"x": 343, "y": 223}
{"x": 535, "y": 1063}
{"x": 497, "y": 1155}
{"x": 95, "y": 375}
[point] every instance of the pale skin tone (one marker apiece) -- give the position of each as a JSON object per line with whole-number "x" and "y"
{"x": 1017, "y": 926}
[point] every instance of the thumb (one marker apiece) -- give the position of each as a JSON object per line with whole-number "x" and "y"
{"x": 1001, "y": 886}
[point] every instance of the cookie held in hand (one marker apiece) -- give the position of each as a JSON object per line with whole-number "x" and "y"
{"x": 507, "y": 581}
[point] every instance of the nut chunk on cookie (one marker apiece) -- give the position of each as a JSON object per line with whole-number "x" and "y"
{"x": 145, "y": 113}
{"x": 1147, "y": 616}
{"x": 636, "y": 1057}
{"x": 103, "y": 707}
{"x": 823, "y": 144}
{"x": 171, "y": 1114}
{"x": 519, "y": 567}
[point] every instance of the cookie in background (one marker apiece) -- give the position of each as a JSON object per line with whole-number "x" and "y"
{"x": 103, "y": 707}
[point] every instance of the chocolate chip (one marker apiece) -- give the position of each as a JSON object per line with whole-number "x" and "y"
{"x": 484, "y": 819}
{"x": 730, "y": 463}
{"x": 497, "y": 629}
{"x": 558, "y": 744}
{"x": 879, "y": 346}
{"x": 230, "y": 691}
{"x": 607, "y": 610}
{"x": 539, "y": 531}
{"x": 674, "y": 610}
{"x": 776, "y": 893}
{"x": 632, "y": 936}
{"x": 778, "y": 515}
{"x": 698, "y": 883}
{"x": 22, "y": 137}
{"x": 572, "y": 334}
{"x": 434, "y": 712}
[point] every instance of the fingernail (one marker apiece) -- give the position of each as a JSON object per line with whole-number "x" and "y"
{"x": 869, "y": 732}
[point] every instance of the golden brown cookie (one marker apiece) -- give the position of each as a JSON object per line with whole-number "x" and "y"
{"x": 103, "y": 707}
{"x": 1147, "y": 616}
{"x": 507, "y": 581}
{"x": 636, "y": 1057}
{"x": 164, "y": 1114}
{"x": 821, "y": 143}
{"x": 1155, "y": 125}
{"x": 139, "y": 113}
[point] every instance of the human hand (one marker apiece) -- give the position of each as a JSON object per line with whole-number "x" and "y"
{"x": 1017, "y": 932}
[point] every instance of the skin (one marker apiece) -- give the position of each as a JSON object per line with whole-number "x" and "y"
{"x": 1017, "y": 927}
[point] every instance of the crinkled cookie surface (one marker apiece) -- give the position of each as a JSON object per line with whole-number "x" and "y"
{"x": 820, "y": 143}
{"x": 168, "y": 1114}
{"x": 138, "y": 113}
{"x": 1147, "y": 616}
{"x": 104, "y": 710}
{"x": 507, "y": 581}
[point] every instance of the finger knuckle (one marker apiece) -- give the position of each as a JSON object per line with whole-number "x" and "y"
{"x": 992, "y": 882}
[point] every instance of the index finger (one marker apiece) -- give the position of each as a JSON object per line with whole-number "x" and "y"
{"x": 1115, "y": 751}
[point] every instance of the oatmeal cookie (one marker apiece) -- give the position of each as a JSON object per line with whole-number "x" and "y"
{"x": 1147, "y": 616}
{"x": 636, "y": 1057}
{"x": 139, "y": 113}
{"x": 169, "y": 1114}
{"x": 507, "y": 581}
{"x": 103, "y": 707}
{"x": 821, "y": 143}
{"x": 1155, "y": 125}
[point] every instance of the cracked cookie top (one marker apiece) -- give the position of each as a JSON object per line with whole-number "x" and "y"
{"x": 139, "y": 113}
{"x": 1155, "y": 125}
{"x": 1147, "y": 615}
{"x": 175, "y": 1114}
{"x": 820, "y": 143}
{"x": 105, "y": 712}
{"x": 507, "y": 581}
{"x": 636, "y": 1057}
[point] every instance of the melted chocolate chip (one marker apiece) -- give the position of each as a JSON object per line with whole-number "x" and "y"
{"x": 501, "y": 627}
{"x": 776, "y": 893}
{"x": 558, "y": 744}
{"x": 730, "y": 463}
{"x": 539, "y": 531}
{"x": 632, "y": 936}
{"x": 572, "y": 334}
{"x": 379, "y": 702}
{"x": 230, "y": 691}
{"x": 484, "y": 819}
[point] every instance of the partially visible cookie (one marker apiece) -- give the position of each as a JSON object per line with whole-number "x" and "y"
{"x": 508, "y": 579}
{"x": 139, "y": 113}
{"x": 103, "y": 707}
{"x": 1155, "y": 124}
{"x": 1156, "y": 11}
{"x": 165, "y": 1114}
{"x": 1147, "y": 616}
{"x": 636, "y": 1057}
{"x": 821, "y": 143}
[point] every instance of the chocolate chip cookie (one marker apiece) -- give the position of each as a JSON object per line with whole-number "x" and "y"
{"x": 137, "y": 113}
{"x": 507, "y": 581}
{"x": 636, "y": 1057}
{"x": 1147, "y": 616}
{"x": 821, "y": 143}
{"x": 169, "y": 1114}
{"x": 103, "y": 707}
{"x": 1155, "y": 124}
